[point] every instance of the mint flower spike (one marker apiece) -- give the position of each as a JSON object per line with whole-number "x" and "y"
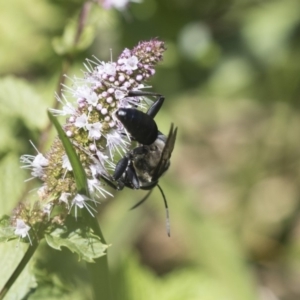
{"x": 90, "y": 105}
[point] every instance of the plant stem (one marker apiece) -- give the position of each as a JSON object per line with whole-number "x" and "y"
{"x": 29, "y": 253}
{"x": 99, "y": 272}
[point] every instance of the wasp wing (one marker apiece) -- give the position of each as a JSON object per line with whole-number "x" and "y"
{"x": 166, "y": 154}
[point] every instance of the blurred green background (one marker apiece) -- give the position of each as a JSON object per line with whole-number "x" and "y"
{"x": 231, "y": 77}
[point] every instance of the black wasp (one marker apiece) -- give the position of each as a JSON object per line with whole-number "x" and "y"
{"x": 141, "y": 167}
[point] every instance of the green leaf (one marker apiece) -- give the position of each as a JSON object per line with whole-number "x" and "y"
{"x": 11, "y": 255}
{"x": 79, "y": 173}
{"x": 19, "y": 100}
{"x": 12, "y": 183}
{"x": 86, "y": 38}
{"x": 87, "y": 245}
{"x": 52, "y": 292}
{"x": 25, "y": 43}
{"x": 66, "y": 44}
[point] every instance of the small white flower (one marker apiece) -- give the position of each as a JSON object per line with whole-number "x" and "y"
{"x": 40, "y": 161}
{"x": 81, "y": 121}
{"x": 22, "y": 229}
{"x": 107, "y": 68}
{"x": 97, "y": 169}
{"x": 119, "y": 94}
{"x": 35, "y": 163}
{"x": 37, "y": 172}
{"x": 94, "y": 130}
{"x": 67, "y": 108}
{"x": 131, "y": 63}
{"x": 81, "y": 201}
{"x": 92, "y": 99}
{"x": 129, "y": 102}
{"x": 66, "y": 163}
{"x": 85, "y": 92}
{"x": 104, "y": 163}
{"x": 95, "y": 186}
{"x": 47, "y": 209}
{"x": 64, "y": 198}
{"x": 81, "y": 92}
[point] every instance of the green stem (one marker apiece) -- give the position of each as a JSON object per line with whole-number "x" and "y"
{"x": 30, "y": 251}
{"x": 100, "y": 280}
{"x": 99, "y": 272}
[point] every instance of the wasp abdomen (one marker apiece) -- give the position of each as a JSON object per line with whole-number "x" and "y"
{"x": 140, "y": 125}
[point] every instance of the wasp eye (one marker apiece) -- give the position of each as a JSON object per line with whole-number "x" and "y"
{"x": 121, "y": 112}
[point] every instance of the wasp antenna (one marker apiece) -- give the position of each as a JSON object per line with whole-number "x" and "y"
{"x": 142, "y": 201}
{"x": 167, "y": 211}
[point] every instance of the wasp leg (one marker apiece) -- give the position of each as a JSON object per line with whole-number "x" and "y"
{"x": 155, "y": 107}
{"x": 121, "y": 167}
{"x": 109, "y": 182}
{"x": 151, "y": 186}
{"x": 132, "y": 178}
{"x": 142, "y": 200}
